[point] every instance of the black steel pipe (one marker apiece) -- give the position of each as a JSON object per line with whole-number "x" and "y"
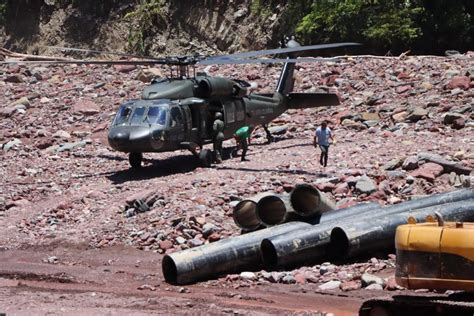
{"x": 245, "y": 212}
{"x": 309, "y": 245}
{"x": 306, "y": 200}
{"x": 275, "y": 209}
{"x": 222, "y": 257}
{"x": 273, "y": 248}
{"x": 362, "y": 237}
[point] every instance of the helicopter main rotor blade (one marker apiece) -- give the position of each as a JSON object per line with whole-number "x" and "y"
{"x": 284, "y": 50}
{"x": 87, "y": 62}
{"x": 169, "y": 62}
{"x": 264, "y": 61}
{"x": 99, "y": 52}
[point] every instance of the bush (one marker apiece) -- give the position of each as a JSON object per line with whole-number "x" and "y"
{"x": 396, "y": 25}
{"x": 3, "y": 12}
{"x": 142, "y": 19}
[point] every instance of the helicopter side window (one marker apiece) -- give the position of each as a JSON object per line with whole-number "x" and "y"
{"x": 229, "y": 112}
{"x": 137, "y": 116}
{"x": 157, "y": 115}
{"x": 122, "y": 115}
{"x": 176, "y": 117}
{"x": 239, "y": 111}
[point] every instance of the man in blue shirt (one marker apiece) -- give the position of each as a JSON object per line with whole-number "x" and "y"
{"x": 322, "y": 136}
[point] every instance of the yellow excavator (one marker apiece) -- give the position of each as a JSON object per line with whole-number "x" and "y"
{"x": 434, "y": 255}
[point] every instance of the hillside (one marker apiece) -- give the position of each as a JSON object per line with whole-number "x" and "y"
{"x": 174, "y": 28}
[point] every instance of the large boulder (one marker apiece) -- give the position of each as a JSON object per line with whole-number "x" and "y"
{"x": 86, "y": 107}
{"x": 448, "y": 165}
{"x": 330, "y": 285}
{"x": 367, "y": 116}
{"x": 368, "y": 279}
{"x": 393, "y": 164}
{"x": 14, "y": 78}
{"x": 146, "y": 75}
{"x": 450, "y": 117}
{"x": 460, "y": 82}
{"x": 428, "y": 171}
{"x": 411, "y": 163}
{"x": 365, "y": 185}
{"x": 278, "y": 130}
{"x": 417, "y": 114}
{"x": 459, "y": 123}
{"x": 400, "y": 116}
{"x": 353, "y": 125}
{"x": 125, "y": 68}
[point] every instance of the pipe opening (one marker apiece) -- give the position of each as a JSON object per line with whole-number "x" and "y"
{"x": 170, "y": 272}
{"x": 271, "y": 210}
{"x": 245, "y": 215}
{"x": 305, "y": 200}
{"x": 339, "y": 244}
{"x": 269, "y": 254}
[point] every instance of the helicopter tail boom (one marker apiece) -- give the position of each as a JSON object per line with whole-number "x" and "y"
{"x": 311, "y": 100}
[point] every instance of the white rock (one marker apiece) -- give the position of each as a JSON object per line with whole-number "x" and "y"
{"x": 376, "y": 287}
{"x": 331, "y": 285}
{"x": 248, "y": 275}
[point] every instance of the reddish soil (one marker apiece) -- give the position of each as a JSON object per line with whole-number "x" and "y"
{"x": 122, "y": 280}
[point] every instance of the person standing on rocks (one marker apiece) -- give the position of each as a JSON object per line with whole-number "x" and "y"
{"x": 241, "y": 136}
{"x": 322, "y": 138}
{"x": 218, "y": 136}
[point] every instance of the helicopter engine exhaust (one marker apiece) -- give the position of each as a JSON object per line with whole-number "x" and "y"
{"x": 215, "y": 87}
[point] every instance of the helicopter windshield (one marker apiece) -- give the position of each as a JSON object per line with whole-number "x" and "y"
{"x": 122, "y": 115}
{"x": 137, "y": 116}
{"x": 156, "y": 115}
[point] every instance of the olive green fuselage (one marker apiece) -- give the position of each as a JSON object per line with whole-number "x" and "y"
{"x": 179, "y": 113}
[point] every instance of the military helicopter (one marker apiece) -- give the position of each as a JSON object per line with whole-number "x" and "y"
{"x": 178, "y": 112}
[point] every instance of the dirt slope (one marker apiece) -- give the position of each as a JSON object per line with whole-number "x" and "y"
{"x": 182, "y": 26}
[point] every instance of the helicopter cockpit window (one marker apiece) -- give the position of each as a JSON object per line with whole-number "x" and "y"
{"x": 156, "y": 115}
{"x": 122, "y": 115}
{"x": 176, "y": 117}
{"x": 137, "y": 116}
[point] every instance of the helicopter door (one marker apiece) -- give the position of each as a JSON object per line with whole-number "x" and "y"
{"x": 239, "y": 111}
{"x": 231, "y": 122}
{"x": 188, "y": 119}
{"x": 177, "y": 124}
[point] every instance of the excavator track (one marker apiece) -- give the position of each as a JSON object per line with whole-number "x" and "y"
{"x": 419, "y": 305}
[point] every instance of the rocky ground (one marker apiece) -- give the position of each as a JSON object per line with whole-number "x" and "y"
{"x": 405, "y": 128}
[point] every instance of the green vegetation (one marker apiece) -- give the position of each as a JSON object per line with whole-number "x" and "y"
{"x": 262, "y": 8}
{"x": 423, "y": 26}
{"x": 146, "y": 15}
{"x": 396, "y": 25}
{"x": 3, "y": 12}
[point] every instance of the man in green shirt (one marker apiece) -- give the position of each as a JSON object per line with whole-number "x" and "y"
{"x": 241, "y": 136}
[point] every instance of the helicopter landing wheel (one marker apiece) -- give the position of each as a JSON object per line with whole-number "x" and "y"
{"x": 205, "y": 157}
{"x": 135, "y": 160}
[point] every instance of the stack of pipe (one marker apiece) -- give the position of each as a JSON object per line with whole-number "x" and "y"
{"x": 374, "y": 229}
{"x": 346, "y": 232}
{"x": 304, "y": 203}
{"x": 235, "y": 254}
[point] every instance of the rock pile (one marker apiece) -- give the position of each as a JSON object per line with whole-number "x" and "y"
{"x": 404, "y": 128}
{"x": 328, "y": 276}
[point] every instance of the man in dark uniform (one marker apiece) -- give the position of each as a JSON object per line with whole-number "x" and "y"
{"x": 218, "y": 136}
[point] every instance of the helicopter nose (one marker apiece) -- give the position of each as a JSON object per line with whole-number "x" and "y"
{"x": 120, "y": 138}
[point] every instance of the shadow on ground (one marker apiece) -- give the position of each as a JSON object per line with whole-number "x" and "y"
{"x": 158, "y": 168}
